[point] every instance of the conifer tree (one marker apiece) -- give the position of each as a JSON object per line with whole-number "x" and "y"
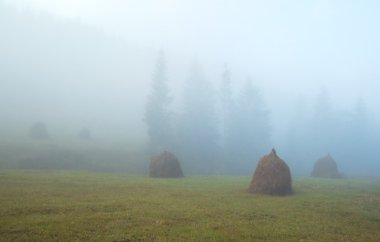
{"x": 157, "y": 114}
{"x": 197, "y": 134}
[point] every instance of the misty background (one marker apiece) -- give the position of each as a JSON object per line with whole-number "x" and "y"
{"x": 219, "y": 83}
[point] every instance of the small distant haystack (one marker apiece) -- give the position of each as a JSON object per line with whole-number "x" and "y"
{"x": 326, "y": 167}
{"x": 165, "y": 165}
{"x": 272, "y": 176}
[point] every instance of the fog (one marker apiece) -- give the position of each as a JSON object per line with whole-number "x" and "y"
{"x": 218, "y": 83}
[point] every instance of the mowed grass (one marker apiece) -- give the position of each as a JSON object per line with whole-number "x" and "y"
{"x": 81, "y": 206}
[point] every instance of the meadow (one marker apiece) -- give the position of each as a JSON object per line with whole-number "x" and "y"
{"x": 53, "y": 205}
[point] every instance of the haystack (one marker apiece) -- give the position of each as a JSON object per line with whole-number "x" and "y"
{"x": 326, "y": 167}
{"x": 165, "y": 165}
{"x": 272, "y": 176}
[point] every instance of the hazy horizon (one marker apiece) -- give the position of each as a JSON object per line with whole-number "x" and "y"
{"x": 75, "y": 64}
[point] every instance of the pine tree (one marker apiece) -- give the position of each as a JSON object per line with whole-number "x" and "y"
{"x": 39, "y": 131}
{"x": 324, "y": 129}
{"x": 197, "y": 134}
{"x": 157, "y": 114}
{"x": 250, "y": 128}
{"x": 226, "y": 104}
{"x": 296, "y": 142}
{"x": 359, "y": 137}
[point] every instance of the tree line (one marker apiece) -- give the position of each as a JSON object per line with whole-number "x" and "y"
{"x": 212, "y": 132}
{"x": 216, "y": 132}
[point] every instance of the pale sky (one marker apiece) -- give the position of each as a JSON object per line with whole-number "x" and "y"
{"x": 316, "y": 42}
{"x": 288, "y": 47}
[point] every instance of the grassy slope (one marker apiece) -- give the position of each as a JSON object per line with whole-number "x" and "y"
{"x": 67, "y": 206}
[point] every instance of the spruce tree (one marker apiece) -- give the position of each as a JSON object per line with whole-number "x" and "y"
{"x": 226, "y": 105}
{"x": 157, "y": 114}
{"x": 197, "y": 134}
{"x": 250, "y": 130}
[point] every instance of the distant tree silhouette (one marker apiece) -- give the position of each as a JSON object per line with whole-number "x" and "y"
{"x": 38, "y": 131}
{"x": 360, "y": 117}
{"x": 226, "y": 104}
{"x": 84, "y": 134}
{"x": 360, "y": 138}
{"x": 157, "y": 114}
{"x": 349, "y": 134}
{"x": 250, "y": 131}
{"x": 296, "y": 144}
{"x": 324, "y": 127}
{"x": 198, "y": 127}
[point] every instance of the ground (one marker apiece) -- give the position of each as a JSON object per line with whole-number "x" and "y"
{"x": 84, "y": 206}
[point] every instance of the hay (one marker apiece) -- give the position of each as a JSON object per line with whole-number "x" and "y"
{"x": 272, "y": 176}
{"x": 165, "y": 165}
{"x": 326, "y": 167}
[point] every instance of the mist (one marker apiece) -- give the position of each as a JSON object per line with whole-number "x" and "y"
{"x": 218, "y": 83}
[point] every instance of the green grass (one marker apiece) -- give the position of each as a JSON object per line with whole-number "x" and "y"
{"x": 81, "y": 206}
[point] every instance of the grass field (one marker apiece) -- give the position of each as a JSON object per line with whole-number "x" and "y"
{"x": 81, "y": 206}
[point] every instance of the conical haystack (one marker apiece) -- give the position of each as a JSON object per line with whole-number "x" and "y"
{"x": 272, "y": 176}
{"x": 165, "y": 165}
{"x": 326, "y": 167}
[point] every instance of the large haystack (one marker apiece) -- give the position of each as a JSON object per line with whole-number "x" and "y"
{"x": 165, "y": 165}
{"x": 326, "y": 167}
{"x": 272, "y": 176}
